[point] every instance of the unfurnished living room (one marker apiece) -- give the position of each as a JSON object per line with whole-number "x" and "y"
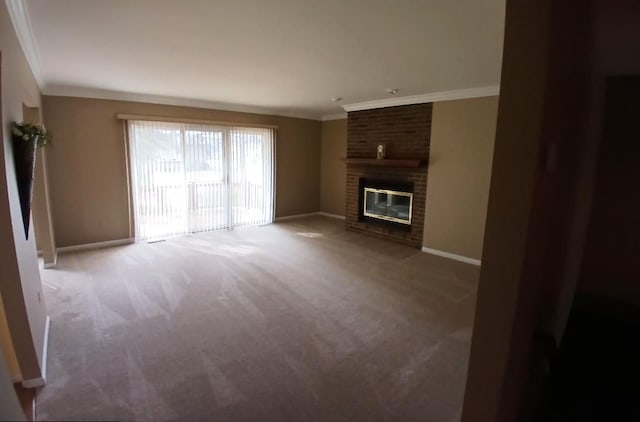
{"x": 305, "y": 211}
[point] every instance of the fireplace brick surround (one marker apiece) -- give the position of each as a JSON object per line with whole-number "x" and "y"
{"x": 406, "y": 133}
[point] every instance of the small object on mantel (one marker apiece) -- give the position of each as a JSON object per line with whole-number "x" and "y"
{"x": 380, "y": 152}
{"x": 387, "y": 162}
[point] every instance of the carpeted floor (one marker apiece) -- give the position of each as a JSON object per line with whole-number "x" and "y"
{"x": 295, "y": 321}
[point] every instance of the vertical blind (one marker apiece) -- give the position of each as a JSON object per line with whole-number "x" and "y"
{"x": 189, "y": 178}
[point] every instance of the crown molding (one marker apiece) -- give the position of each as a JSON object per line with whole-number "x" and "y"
{"x": 72, "y": 91}
{"x": 334, "y": 116}
{"x": 458, "y": 94}
{"x": 22, "y": 24}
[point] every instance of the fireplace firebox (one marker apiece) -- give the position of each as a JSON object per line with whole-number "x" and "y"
{"x": 386, "y": 202}
{"x": 388, "y": 205}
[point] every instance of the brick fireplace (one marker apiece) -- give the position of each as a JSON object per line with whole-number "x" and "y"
{"x": 405, "y": 131}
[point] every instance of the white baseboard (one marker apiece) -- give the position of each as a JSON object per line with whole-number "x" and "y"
{"x": 293, "y": 217}
{"x": 310, "y": 214}
{"x": 453, "y": 256}
{"x": 34, "y": 383}
{"x": 96, "y": 245}
{"x": 336, "y": 216}
{"x": 41, "y": 381}
{"x": 45, "y": 347}
{"x": 48, "y": 265}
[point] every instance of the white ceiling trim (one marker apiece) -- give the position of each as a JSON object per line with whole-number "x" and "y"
{"x": 22, "y": 24}
{"x": 334, "y": 116}
{"x": 70, "y": 91}
{"x": 458, "y": 94}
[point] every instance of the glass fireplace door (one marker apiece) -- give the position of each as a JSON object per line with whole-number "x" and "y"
{"x": 389, "y": 205}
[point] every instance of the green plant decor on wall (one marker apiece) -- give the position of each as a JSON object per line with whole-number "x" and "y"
{"x": 27, "y": 138}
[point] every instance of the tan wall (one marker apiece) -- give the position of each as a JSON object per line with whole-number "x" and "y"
{"x": 6, "y": 343}
{"x": 542, "y": 85}
{"x": 9, "y": 407}
{"x": 462, "y": 137}
{"x": 512, "y": 183}
{"x": 333, "y": 170}
{"x": 20, "y": 283}
{"x": 87, "y": 165}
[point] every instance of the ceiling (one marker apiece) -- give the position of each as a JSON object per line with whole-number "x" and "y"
{"x": 287, "y": 57}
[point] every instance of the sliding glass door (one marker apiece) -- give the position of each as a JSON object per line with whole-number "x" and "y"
{"x": 205, "y": 176}
{"x": 250, "y": 176}
{"x": 190, "y": 178}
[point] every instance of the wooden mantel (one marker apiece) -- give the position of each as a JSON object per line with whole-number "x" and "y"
{"x": 386, "y": 162}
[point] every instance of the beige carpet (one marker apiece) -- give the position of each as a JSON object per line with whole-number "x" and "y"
{"x": 296, "y": 321}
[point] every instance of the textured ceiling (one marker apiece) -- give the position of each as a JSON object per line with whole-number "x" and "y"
{"x": 285, "y": 56}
